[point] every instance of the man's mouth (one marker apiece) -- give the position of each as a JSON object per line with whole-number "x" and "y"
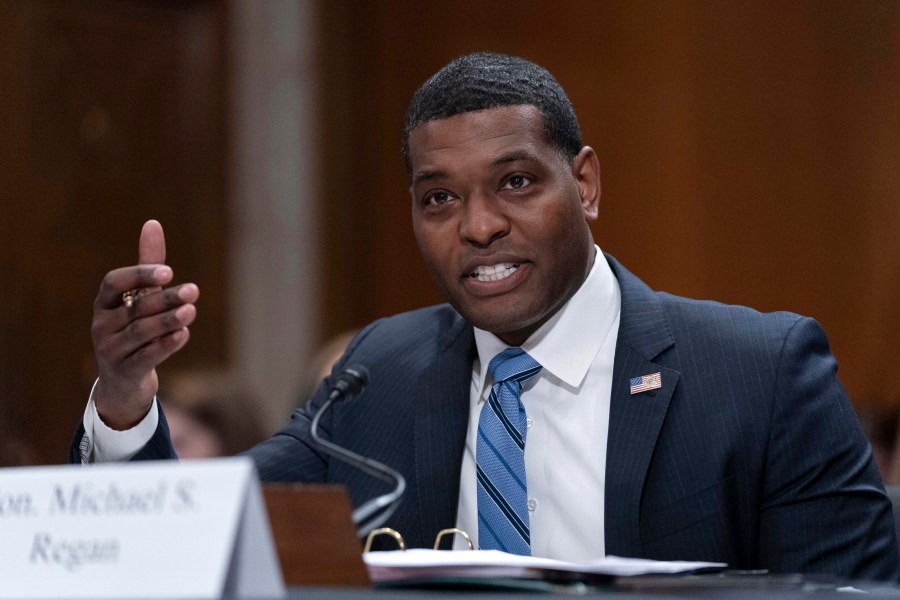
{"x": 493, "y": 272}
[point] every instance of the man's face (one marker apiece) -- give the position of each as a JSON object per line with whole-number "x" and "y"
{"x": 501, "y": 218}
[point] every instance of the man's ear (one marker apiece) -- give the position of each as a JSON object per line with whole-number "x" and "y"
{"x": 586, "y": 170}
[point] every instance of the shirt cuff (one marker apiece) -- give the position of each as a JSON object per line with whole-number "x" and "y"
{"x": 109, "y": 445}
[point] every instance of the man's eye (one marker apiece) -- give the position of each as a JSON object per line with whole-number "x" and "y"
{"x": 516, "y": 182}
{"x": 437, "y": 198}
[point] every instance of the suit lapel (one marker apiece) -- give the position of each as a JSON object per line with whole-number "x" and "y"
{"x": 442, "y": 417}
{"x": 635, "y": 420}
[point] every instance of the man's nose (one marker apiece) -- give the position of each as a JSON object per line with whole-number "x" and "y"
{"x": 483, "y": 220}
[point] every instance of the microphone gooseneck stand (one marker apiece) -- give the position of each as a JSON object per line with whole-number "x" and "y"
{"x": 376, "y": 511}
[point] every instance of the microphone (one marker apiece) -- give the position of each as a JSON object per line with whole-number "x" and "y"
{"x": 351, "y": 382}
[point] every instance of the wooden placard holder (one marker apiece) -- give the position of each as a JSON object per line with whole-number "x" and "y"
{"x": 314, "y": 535}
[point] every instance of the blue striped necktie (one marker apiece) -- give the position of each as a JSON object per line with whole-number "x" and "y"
{"x": 500, "y": 456}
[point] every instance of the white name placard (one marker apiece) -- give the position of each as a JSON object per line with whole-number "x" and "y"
{"x": 192, "y": 529}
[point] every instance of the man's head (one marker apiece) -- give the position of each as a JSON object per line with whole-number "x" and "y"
{"x": 501, "y": 205}
{"x": 484, "y": 80}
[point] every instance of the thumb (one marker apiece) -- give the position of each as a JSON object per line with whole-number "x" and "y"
{"x": 152, "y": 247}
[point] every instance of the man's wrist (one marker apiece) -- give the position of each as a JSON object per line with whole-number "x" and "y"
{"x": 126, "y": 414}
{"x": 109, "y": 444}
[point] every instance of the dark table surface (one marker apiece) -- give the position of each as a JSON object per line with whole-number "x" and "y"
{"x": 725, "y": 586}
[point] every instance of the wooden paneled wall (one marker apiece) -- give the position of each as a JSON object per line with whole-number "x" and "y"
{"x": 749, "y": 150}
{"x": 110, "y": 113}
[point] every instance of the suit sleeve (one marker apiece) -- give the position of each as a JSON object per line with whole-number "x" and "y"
{"x": 823, "y": 505}
{"x": 290, "y": 456}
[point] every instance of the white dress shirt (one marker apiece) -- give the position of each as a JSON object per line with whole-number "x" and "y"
{"x": 567, "y": 407}
{"x": 106, "y": 444}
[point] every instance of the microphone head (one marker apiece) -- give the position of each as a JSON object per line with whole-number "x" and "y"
{"x": 351, "y": 382}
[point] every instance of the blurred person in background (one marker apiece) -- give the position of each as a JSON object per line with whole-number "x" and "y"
{"x": 321, "y": 364}
{"x": 209, "y": 414}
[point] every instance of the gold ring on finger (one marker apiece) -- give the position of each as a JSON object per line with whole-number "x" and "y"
{"x": 128, "y": 298}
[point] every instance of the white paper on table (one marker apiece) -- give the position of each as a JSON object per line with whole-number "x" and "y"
{"x": 422, "y": 563}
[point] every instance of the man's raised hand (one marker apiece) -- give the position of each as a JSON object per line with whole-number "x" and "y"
{"x": 129, "y": 342}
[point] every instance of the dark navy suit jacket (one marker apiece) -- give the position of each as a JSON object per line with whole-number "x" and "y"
{"x": 750, "y": 453}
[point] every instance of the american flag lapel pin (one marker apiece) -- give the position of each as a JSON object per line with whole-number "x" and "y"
{"x": 645, "y": 382}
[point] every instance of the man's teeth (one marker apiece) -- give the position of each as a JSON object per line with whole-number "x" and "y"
{"x": 494, "y": 272}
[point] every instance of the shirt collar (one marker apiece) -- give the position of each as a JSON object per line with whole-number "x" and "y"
{"x": 568, "y": 342}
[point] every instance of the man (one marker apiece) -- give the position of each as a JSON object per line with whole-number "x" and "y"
{"x": 656, "y": 426}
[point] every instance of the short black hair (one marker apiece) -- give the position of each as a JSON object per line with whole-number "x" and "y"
{"x": 487, "y": 80}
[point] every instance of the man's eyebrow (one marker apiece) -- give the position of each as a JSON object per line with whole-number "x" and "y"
{"x": 510, "y": 157}
{"x": 515, "y": 156}
{"x": 428, "y": 176}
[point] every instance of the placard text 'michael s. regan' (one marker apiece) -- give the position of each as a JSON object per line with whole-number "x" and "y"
{"x": 84, "y": 499}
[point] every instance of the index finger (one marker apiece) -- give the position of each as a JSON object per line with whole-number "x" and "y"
{"x": 152, "y": 245}
{"x": 129, "y": 278}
